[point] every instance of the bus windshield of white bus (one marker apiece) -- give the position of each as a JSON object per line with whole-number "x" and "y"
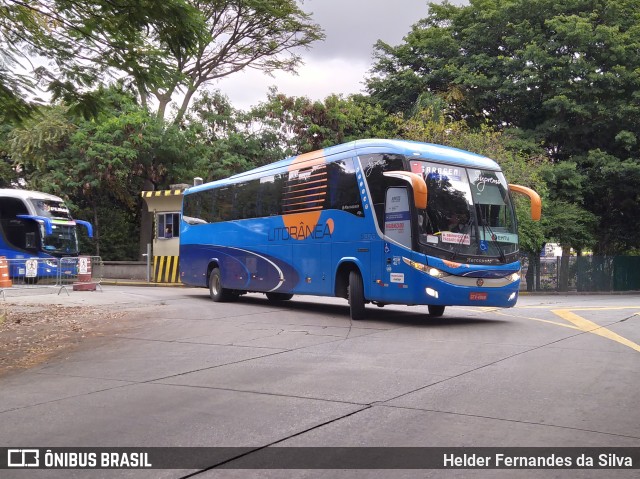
{"x": 469, "y": 211}
{"x": 62, "y": 241}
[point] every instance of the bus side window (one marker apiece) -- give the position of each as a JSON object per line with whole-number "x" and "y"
{"x": 246, "y": 199}
{"x": 223, "y": 204}
{"x": 343, "y": 192}
{"x": 269, "y": 194}
{"x": 373, "y": 167}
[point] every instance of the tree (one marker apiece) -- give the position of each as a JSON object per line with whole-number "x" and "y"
{"x": 101, "y": 166}
{"x": 221, "y": 141}
{"x": 9, "y": 175}
{"x": 77, "y": 43}
{"x": 566, "y": 74}
{"x": 300, "y": 125}
{"x": 239, "y": 34}
{"x": 566, "y": 220}
{"x": 611, "y": 193}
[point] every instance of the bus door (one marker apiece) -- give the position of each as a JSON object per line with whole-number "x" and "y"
{"x": 397, "y": 229}
{"x": 313, "y": 259}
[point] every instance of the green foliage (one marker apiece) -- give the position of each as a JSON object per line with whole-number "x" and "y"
{"x": 83, "y": 41}
{"x": 42, "y": 138}
{"x": 564, "y": 75}
{"x": 301, "y": 125}
{"x": 566, "y": 71}
{"x": 219, "y": 145}
{"x": 100, "y": 166}
{"x": 8, "y": 173}
{"x": 238, "y": 34}
{"x": 569, "y": 224}
{"x": 612, "y": 193}
{"x": 116, "y": 226}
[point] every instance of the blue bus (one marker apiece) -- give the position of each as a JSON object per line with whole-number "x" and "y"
{"x": 372, "y": 221}
{"x": 37, "y": 225}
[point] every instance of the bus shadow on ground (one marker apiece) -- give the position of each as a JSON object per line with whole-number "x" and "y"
{"x": 388, "y": 315}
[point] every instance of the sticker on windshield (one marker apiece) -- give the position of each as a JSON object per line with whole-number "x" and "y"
{"x": 442, "y": 173}
{"x": 500, "y": 237}
{"x": 458, "y": 238}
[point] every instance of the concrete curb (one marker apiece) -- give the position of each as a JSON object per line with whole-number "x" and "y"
{"x": 134, "y": 282}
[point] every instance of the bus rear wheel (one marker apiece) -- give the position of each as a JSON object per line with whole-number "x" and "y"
{"x": 216, "y": 291}
{"x": 356, "y": 296}
{"x": 436, "y": 311}
{"x": 278, "y": 296}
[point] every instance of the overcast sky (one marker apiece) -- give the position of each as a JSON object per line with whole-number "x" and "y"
{"x": 338, "y": 64}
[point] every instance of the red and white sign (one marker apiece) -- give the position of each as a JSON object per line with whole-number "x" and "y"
{"x": 458, "y": 238}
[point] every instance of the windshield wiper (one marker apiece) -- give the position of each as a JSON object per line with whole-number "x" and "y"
{"x": 494, "y": 241}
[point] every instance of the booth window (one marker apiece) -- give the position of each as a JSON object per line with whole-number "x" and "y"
{"x": 168, "y": 225}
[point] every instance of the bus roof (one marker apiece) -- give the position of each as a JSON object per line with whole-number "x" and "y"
{"x": 27, "y": 194}
{"x": 411, "y": 149}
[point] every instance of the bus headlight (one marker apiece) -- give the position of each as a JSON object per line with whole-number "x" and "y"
{"x": 514, "y": 277}
{"x": 435, "y": 272}
{"x": 432, "y": 292}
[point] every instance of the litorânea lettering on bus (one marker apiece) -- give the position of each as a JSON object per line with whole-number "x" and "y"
{"x": 300, "y": 232}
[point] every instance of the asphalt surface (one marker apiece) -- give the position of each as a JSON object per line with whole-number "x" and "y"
{"x": 555, "y": 371}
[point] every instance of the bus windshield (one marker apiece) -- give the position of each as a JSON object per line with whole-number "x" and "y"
{"x": 61, "y": 242}
{"x": 469, "y": 212}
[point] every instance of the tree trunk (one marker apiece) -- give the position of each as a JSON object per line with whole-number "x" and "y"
{"x": 146, "y": 222}
{"x": 96, "y": 229}
{"x": 185, "y": 104}
{"x": 531, "y": 272}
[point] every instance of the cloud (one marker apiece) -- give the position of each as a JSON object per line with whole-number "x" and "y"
{"x": 340, "y": 63}
{"x": 316, "y": 79}
{"x": 352, "y": 27}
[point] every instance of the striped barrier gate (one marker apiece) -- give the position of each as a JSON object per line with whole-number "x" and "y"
{"x": 165, "y": 269}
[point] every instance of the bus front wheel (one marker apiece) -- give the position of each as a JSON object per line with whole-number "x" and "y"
{"x": 356, "y": 296}
{"x": 436, "y": 311}
{"x": 216, "y": 291}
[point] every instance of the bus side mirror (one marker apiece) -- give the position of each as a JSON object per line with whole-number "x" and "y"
{"x": 417, "y": 183}
{"x": 536, "y": 203}
{"x": 87, "y": 225}
{"x": 48, "y": 224}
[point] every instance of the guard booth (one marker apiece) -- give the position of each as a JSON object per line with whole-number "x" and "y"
{"x": 165, "y": 206}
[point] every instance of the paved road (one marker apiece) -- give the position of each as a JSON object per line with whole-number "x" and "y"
{"x": 554, "y": 371}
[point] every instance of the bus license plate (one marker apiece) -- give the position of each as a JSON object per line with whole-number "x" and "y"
{"x": 477, "y": 296}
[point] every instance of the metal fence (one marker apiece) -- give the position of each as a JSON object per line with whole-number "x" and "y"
{"x": 582, "y": 273}
{"x": 75, "y": 272}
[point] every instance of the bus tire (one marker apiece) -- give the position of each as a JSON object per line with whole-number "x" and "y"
{"x": 356, "y": 296}
{"x": 216, "y": 291}
{"x": 278, "y": 296}
{"x": 436, "y": 311}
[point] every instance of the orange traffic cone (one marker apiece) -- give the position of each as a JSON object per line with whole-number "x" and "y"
{"x": 5, "y": 281}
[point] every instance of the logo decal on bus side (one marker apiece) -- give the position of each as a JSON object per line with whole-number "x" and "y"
{"x": 302, "y": 231}
{"x": 301, "y": 225}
